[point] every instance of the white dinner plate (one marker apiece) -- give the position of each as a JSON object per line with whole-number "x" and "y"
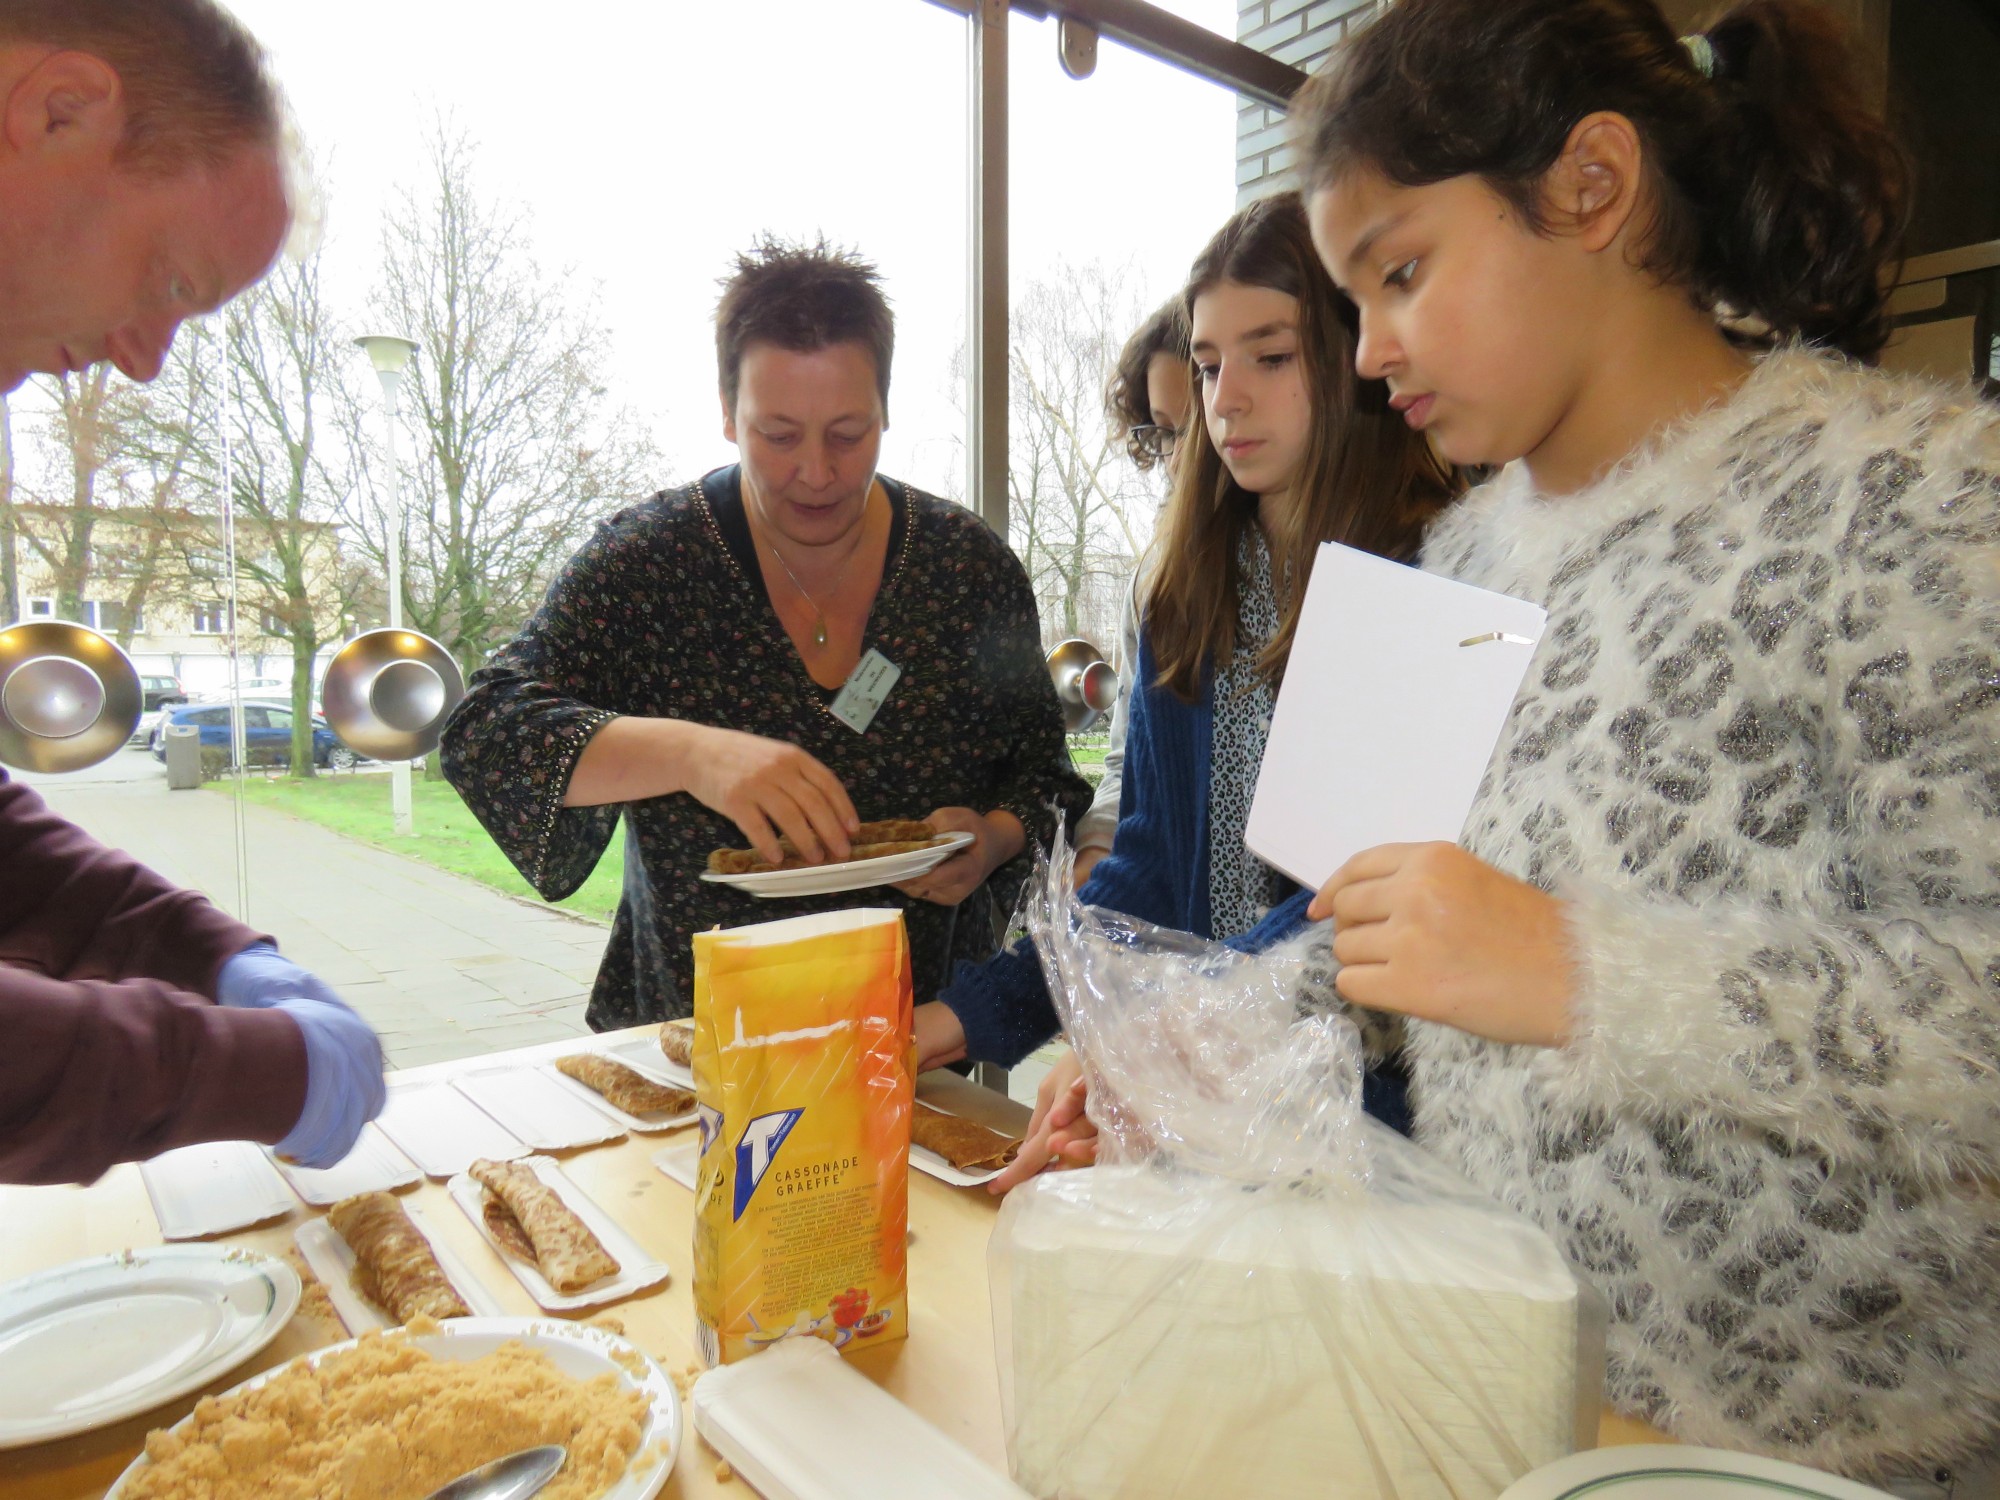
{"x": 579, "y": 1350}
{"x": 96, "y": 1341}
{"x": 849, "y": 875}
{"x": 1664, "y": 1471}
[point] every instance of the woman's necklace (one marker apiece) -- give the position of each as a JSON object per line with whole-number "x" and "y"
{"x": 819, "y": 614}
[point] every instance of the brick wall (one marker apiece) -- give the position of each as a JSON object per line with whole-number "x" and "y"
{"x": 1298, "y": 32}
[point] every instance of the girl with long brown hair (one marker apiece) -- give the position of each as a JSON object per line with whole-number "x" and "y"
{"x": 1290, "y": 450}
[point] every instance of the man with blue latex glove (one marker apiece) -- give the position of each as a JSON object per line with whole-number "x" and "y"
{"x": 344, "y": 1088}
{"x": 143, "y": 181}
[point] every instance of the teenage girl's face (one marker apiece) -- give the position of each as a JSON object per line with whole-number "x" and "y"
{"x": 1464, "y": 310}
{"x": 1252, "y": 386}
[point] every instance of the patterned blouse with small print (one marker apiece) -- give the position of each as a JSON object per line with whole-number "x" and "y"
{"x": 1240, "y": 885}
{"x": 664, "y": 614}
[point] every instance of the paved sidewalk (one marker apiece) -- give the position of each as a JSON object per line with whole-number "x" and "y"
{"x": 441, "y": 966}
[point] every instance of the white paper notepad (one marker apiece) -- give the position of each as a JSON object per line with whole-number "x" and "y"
{"x": 1397, "y": 689}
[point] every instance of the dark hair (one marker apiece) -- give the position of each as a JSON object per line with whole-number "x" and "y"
{"x": 1126, "y": 401}
{"x": 802, "y": 298}
{"x": 1366, "y": 479}
{"x": 195, "y": 84}
{"x": 1779, "y": 199}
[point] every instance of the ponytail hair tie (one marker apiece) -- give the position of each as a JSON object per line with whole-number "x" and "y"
{"x": 1701, "y": 52}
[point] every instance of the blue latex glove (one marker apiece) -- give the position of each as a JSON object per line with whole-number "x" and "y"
{"x": 344, "y": 1088}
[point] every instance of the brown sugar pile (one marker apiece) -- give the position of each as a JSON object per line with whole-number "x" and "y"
{"x": 387, "y": 1421}
{"x": 313, "y": 1300}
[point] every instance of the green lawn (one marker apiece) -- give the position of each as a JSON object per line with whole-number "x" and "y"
{"x": 1086, "y": 753}
{"x": 447, "y": 836}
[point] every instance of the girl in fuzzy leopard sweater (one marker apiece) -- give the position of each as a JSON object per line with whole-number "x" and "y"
{"x": 1710, "y": 988}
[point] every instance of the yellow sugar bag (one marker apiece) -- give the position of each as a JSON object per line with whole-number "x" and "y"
{"x": 803, "y": 1077}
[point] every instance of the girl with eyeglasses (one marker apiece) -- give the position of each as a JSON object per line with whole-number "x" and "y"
{"x": 1291, "y": 450}
{"x": 1147, "y": 404}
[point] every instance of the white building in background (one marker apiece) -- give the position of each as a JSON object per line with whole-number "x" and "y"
{"x": 164, "y": 604}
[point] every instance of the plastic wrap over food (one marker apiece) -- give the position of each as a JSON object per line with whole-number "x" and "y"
{"x": 1259, "y": 1290}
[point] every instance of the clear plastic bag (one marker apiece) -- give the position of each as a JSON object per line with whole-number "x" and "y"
{"x": 1259, "y": 1290}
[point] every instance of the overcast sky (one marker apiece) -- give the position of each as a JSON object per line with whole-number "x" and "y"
{"x": 647, "y": 139}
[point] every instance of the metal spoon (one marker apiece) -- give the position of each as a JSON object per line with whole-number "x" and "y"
{"x": 514, "y": 1477}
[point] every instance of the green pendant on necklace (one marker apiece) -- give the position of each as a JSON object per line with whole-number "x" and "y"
{"x": 819, "y": 631}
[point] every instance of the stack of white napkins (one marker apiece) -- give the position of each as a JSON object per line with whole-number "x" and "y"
{"x": 1170, "y": 1338}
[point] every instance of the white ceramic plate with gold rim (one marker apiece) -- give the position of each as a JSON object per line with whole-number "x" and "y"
{"x": 579, "y": 1350}
{"x": 848, "y": 875}
{"x": 1664, "y": 1471}
{"x": 96, "y": 1341}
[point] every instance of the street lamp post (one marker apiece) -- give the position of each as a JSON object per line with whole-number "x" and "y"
{"x": 390, "y": 353}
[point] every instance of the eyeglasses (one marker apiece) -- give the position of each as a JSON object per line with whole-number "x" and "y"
{"x": 1155, "y": 441}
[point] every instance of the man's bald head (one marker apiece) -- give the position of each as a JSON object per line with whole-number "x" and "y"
{"x": 194, "y": 81}
{"x": 143, "y": 178}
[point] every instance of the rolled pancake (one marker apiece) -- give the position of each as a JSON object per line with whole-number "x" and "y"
{"x": 393, "y": 1264}
{"x": 871, "y": 841}
{"x": 677, "y": 1042}
{"x": 565, "y": 1251}
{"x": 507, "y": 1230}
{"x": 629, "y": 1089}
{"x": 967, "y": 1145}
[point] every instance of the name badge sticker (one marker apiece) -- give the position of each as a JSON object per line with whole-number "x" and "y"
{"x": 867, "y": 688}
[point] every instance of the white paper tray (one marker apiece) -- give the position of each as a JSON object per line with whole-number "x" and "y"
{"x": 332, "y": 1261}
{"x": 214, "y": 1188}
{"x": 679, "y": 1161}
{"x": 798, "y": 1423}
{"x": 929, "y": 1161}
{"x": 443, "y": 1131}
{"x": 373, "y": 1166}
{"x": 644, "y": 1054}
{"x": 534, "y": 1104}
{"x": 637, "y": 1269}
{"x": 645, "y": 1124}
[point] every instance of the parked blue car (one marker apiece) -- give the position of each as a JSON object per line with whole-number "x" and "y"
{"x": 267, "y": 733}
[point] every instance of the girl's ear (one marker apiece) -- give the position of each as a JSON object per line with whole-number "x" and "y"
{"x": 1594, "y": 189}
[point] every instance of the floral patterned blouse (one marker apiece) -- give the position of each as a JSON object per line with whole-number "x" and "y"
{"x": 664, "y": 614}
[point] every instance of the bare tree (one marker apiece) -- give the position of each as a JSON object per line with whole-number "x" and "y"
{"x": 289, "y": 404}
{"x": 169, "y": 474}
{"x": 517, "y": 447}
{"x": 1079, "y": 513}
{"x": 68, "y": 511}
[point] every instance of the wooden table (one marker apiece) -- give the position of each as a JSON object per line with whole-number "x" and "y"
{"x": 944, "y": 1370}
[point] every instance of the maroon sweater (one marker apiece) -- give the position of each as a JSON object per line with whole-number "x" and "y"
{"x": 111, "y": 1046}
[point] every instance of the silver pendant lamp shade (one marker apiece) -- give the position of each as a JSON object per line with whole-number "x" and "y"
{"x": 1086, "y": 683}
{"x": 68, "y": 696}
{"x": 388, "y": 692}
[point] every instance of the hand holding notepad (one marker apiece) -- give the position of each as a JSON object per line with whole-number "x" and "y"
{"x": 1398, "y": 686}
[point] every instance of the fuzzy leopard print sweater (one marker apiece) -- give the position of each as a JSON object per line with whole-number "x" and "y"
{"x": 1758, "y": 751}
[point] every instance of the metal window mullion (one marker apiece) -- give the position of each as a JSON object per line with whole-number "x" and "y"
{"x": 986, "y": 366}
